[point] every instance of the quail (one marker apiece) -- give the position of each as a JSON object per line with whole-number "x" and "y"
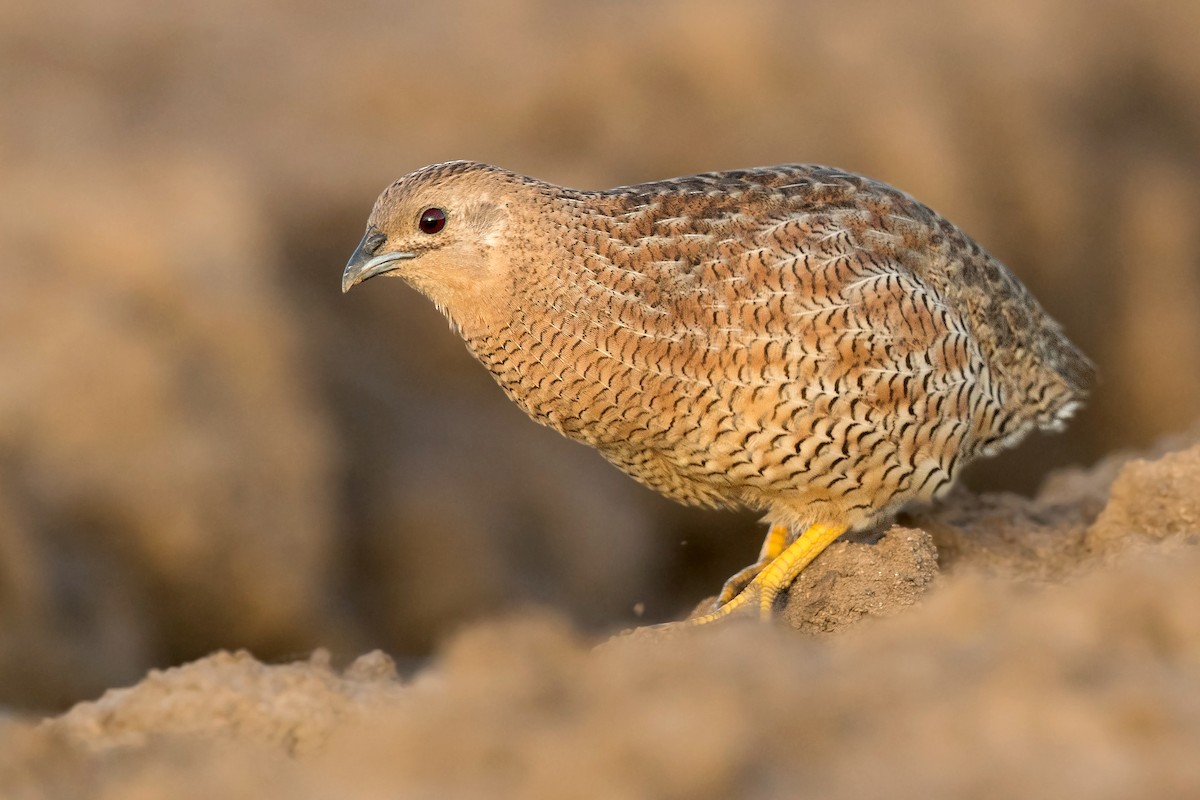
{"x": 795, "y": 339}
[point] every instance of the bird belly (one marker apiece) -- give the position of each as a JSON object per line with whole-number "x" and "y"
{"x": 761, "y": 429}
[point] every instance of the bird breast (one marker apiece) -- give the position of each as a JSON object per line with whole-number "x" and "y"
{"x": 740, "y": 356}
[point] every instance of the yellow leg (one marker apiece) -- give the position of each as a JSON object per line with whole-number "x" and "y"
{"x": 772, "y": 546}
{"x": 778, "y": 574}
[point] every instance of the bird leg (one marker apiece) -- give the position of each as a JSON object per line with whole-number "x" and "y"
{"x": 777, "y": 539}
{"x": 778, "y": 573}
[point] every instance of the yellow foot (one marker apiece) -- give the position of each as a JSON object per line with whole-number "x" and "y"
{"x": 772, "y": 546}
{"x": 738, "y": 583}
{"x": 774, "y": 576}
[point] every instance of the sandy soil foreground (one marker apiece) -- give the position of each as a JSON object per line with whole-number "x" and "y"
{"x": 1057, "y": 653}
{"x": 204, "y": 444}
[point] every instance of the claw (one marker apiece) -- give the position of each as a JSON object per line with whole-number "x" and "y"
{"x": 774, "y": 576}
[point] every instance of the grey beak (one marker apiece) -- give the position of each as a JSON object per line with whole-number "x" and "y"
{"x": 364, "y": 264}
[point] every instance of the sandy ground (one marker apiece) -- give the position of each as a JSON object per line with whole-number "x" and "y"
{"x": 1056, "y": 653}
{"x": 205, "y": 446}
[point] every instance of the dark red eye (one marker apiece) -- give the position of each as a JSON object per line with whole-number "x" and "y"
{"x": 432, "y": 220}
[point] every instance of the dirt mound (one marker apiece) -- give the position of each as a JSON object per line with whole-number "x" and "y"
{"x": 204, "y": 445}
{"x": 998, "y": 682}
{"x": 161, "y": 441}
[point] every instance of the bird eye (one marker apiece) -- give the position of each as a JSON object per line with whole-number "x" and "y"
{"x": 432, "y": 220}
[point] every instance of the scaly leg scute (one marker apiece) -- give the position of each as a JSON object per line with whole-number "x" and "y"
{"x": 777, "y": 574}
{"x": 776, "y": 540}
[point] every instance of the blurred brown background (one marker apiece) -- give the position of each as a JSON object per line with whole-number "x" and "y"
{"x": 203, "y": 444}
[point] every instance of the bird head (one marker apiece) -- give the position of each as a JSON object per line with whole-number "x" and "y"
{"x": 442, "y": 229}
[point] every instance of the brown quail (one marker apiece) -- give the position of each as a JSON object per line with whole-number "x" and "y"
{"x": 795, "y": 339}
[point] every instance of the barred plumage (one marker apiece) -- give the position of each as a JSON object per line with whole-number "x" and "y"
{"x": 796, "y": 339}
